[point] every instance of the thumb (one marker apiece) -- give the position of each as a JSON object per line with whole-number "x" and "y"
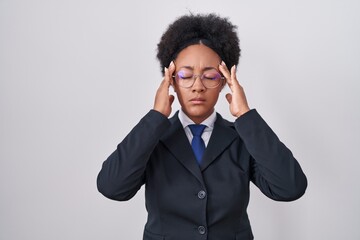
{"x": 229, "y": 98}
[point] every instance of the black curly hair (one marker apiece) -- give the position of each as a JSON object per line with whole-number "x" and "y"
{"x": 211, "y": 30}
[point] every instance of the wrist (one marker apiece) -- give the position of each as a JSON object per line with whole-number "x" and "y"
{"x": 242, "y": 112}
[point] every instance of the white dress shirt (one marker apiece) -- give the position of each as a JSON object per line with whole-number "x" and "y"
{"x": 209, "y": 123}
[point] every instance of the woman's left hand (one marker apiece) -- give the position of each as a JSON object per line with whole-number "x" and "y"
{"x": 237, "y": 99}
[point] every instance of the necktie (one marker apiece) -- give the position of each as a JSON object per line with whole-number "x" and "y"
{"x": 197, "y": 142}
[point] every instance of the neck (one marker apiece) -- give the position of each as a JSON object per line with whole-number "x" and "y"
{"x": 199, "y": 119}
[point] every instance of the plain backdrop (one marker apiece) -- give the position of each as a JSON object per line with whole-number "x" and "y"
{"x": 77, "y": 75}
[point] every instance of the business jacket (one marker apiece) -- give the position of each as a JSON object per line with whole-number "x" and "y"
{"x": 186, "y": 201}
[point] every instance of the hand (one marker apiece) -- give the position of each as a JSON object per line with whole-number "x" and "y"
{"x": 163, "y": 100}
{"x": 237, "y": 100}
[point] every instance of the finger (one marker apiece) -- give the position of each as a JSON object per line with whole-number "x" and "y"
{"x": 233, "y": 71}
{"x": 234, "y": 78}
{"x": 171, "y": 67}
{"x": 166, "y": 82}
{"x": 171, "y": 71}
{"x": 228, "y": 98}
{"x": 225, "y": 71}
{"x": 230, "y": 75}
{"x": 233, "y": 82}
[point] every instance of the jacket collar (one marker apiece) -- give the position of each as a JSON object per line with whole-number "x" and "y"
{"x": 178, "y": 144}
{"x": 222, "y": 136}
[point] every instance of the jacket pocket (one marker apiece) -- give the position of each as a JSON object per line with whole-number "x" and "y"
{"x": 245, "y": 235}
{"x": 152, "y": 236}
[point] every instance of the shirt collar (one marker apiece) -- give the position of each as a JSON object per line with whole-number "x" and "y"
{"x": 185, "y": 120}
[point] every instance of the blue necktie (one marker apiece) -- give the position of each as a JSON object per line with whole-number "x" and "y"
{"x": 197, "y": 142}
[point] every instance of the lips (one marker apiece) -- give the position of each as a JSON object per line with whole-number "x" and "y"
{"x": 197, "y": 100}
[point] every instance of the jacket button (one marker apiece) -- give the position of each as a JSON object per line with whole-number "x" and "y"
{"x": 201, "y": 230}
{"x": 201, "y": 194}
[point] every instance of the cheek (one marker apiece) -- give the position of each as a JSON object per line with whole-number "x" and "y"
{"x": 215, "y": 95}
{"x": 180, "y": 93}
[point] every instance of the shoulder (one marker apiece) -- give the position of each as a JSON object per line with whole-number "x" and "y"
{"x": 224, "y": 122}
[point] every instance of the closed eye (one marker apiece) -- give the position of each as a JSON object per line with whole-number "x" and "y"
{"x": 211, "y": 76}
{"x": 185, "y": 77}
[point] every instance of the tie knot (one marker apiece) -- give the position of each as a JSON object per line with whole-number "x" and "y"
{"x": 197, "y": 129}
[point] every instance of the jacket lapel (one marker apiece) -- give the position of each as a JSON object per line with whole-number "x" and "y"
{"x": 222, "y": 136}
{"x": 178, "y": 144}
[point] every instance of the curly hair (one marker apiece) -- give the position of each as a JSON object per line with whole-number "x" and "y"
{"x": 211, "y": 30}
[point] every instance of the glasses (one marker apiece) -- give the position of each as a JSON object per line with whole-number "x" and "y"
{"x": 210, "y": 78}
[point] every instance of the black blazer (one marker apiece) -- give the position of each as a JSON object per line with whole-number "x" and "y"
{"x": 188, "y": 202}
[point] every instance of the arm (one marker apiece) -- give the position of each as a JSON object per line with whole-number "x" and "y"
{"x": 123, "y": 173}
{"x": 273, "y": 168}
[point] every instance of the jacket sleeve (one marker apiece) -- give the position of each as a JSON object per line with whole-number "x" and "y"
{"x": 123, "y": 173}
{"x": 274, "y": 170}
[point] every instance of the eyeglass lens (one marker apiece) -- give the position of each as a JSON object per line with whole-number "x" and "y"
{"x": 186, "y": 78}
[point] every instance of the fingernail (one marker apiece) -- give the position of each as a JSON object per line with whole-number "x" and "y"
{"x": 165, "y": 69}
{"x": 223, "y": 63}
{"x": 171, "y": 63}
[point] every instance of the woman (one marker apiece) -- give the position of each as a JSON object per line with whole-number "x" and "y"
{"x": 196, "y": 166}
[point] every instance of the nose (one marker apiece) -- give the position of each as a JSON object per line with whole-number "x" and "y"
{"x": 198, "y": 86}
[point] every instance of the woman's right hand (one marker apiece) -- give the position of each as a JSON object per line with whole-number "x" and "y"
{"x": 164, "y": 100}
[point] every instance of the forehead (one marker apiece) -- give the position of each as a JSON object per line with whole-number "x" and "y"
{"x": 197, "y": 56}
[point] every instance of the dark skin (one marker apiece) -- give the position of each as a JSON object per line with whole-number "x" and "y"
{"x": 198, "y": 102}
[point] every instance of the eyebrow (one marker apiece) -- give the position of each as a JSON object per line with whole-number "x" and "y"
{"x": 192, "y": 68}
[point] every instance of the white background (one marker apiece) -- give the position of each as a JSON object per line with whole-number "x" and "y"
{"x": 77, "y": 75}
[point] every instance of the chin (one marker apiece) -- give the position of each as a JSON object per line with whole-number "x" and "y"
{"x": 199, "y": 112}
